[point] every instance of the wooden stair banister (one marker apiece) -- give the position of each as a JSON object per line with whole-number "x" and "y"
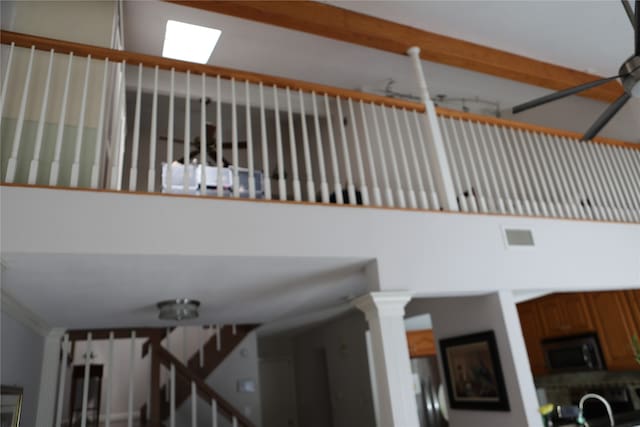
{"x": 167, "y": 359}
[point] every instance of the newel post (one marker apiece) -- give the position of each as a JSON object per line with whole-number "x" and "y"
{"x": 435, "y": 143}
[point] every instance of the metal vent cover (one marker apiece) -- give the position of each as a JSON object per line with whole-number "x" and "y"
{"x": 519, "y": 237}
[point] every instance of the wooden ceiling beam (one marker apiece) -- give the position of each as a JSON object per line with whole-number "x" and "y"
{"x": 352, "y": 27}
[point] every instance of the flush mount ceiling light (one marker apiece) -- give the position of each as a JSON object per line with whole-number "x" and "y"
{"x": 188, "y": 42}
{"x": 178, "y": 309}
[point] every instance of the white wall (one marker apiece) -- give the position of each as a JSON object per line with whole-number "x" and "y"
{"x": 467, "y": 315}
{"x": 431, "y": 253}
{"x": 21, "y": 352}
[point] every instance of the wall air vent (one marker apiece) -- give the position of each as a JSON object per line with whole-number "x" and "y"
{"x": 518, "y": 237}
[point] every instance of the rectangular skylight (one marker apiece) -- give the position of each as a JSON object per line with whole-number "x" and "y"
{"x": 188, "y": 42}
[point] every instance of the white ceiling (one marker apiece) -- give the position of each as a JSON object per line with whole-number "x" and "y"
{"x": 101, "y": 291}
{"x": 594, "y": 36}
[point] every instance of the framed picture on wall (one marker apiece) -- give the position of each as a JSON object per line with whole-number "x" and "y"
{"x": 473, "y": 372}
{"x": 10, "y": 406}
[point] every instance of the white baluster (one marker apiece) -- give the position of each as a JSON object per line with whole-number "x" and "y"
{"x": 448, "y": 143}
{"x": 234, "y": 421}
{"x": 392, "y": 157}
{"x": 172, "y": 398}
{"x": 201, "y": 340}
{"x": 297, "y": 191}
{"x": 519, "y": 194}
{"x": 492, "y": 187}
{"x": 510, "y": 176}
{"x": 33, "y": 168}
{"x": 167, "y": 390}
{"x": 266, "y": 176}
{"x": 528, "y": 199}
{"x": 545, "y": 203}
{"x": 218, "y": 338}
{"x": 617, "y": 173}
{"x": 5, "y": 83}
{"x": 324, "y": 186}
{"x": 185, "y": 354}
{"x": 613, "y": 189}
{"x": 132, "y": 359}
{"x": 563, "y": 204}
{"x": 234, "y": 329}
{"x": 364, "y": 190}
{"x": 214, "y": 413}
{"x": 169, "y": 174}
{"x": 431, "y": 188}
{"x": 460, "y": 149}
{"x": 351, "y": 189}
{"x": 556, "y": 206}
{"x": 377, "y": 195}
{"x": 484, "y": 194}
{"x": 533, "y": 190}
{"x": 252, "y": 177}
{"x": 63, "y": 377}
{"x": 95, "y": 167}
{"x": 593, "y": 198}
{"x": 219, "y": 146}
{"x": 186, "y": 146}
{"x": 55, "y": 164}
{"x": 203, "y": 137}
{"x": 337, "y": 187}
{"x": 388, "y": 193}
{"x": 75, "y": 167}
{"x": 85, "y": 382}
{"x": 577, "y": 182}
{"x": 151, "y": 179}
{"x": 311, "y": 190}
{"x": 13, "y": 160}
{"x": 605, "y": 191}
{"x": 413, "y": 203}
{"x": 599, "y": 198}
{"x": 133, "y": 170}
{"x": 282, "y": 184}
{"x": 423, "y": 203}
{"x": 109, "y": 385}
{"x": 117, "y": 145}
{"x": 573, "y": 197}
{"x": 194, "y": 403}
{"x": 630, "y": 182}
{"x": 234, "y": 141}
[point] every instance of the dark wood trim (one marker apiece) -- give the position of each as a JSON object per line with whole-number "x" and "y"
{"x": 340, "y": 24}
{"x": 96, "y": 52}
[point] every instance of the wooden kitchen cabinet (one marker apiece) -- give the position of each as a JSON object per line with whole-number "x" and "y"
{"x": 633, "y": 297}
{"x": 421, "y": 343}
{"x": 564, "y": 314}
{"x": 615, "y": 325}
{"x": 533, "y": 335}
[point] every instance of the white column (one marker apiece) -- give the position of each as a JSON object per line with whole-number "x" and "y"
{"x": 435, "y": 144}
{"x": 49, "y": 378}
{"x": 384, "y": 312}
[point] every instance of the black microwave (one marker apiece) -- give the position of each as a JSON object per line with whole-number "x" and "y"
{"x": 573, "y": 353}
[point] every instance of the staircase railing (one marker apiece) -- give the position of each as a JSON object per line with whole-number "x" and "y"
{"x": 263, "y": 137}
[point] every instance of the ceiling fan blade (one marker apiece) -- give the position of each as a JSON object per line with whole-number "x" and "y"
{"x": 630, "y": 14}
{"x": 606, "y": 117}
{"x": 561, "y": 94}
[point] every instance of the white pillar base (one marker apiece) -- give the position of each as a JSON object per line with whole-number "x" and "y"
{"x": 49, "y": 378}
{"x": 384, "y": 312}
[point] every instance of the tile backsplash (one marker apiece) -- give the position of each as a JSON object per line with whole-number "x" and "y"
{"x": 558, "y": 386}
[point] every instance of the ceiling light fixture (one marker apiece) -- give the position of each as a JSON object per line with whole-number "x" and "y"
{"x": 188, "y": 42}
{"x": 178, "y": 309}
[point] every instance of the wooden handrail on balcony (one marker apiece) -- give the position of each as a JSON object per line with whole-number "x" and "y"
{"x": 202, "y": 387}
{"x": 97, "y": 52}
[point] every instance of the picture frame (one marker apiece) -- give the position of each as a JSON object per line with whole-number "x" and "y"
{"x": 10, "y": 406}
{"x": 473, "y": 372}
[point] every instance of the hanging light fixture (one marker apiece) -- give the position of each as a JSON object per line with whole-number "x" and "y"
{"x": 178, "y": 309}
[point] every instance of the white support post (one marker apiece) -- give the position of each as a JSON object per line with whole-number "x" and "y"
{"x": 62, "y": 379}
{"x": 48, "y": 378}
{"x": 85, "y": 382}
{"x": 440, "y": 166}
{"x": 384, "y": 312}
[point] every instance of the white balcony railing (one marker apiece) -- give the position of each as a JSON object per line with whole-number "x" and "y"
{"x": 209, "y": 131}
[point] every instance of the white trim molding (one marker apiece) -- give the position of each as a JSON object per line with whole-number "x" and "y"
{"x": 49, "y": 378}
{"x": 14, "y": 308}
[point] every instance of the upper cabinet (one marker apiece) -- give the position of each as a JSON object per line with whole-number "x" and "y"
{"x": 421, "y": 343}
{"x": 615, "y": 325}
{"x": 564, "y": 314}
{"x": 613, "y": 315}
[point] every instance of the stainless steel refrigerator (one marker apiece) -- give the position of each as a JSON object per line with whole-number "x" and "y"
{"x": 427, "y": 382}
